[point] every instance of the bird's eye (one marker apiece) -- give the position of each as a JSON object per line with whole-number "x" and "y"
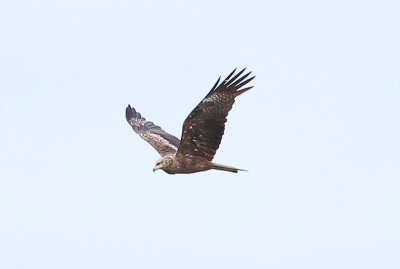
{"x": 158, "y": 163}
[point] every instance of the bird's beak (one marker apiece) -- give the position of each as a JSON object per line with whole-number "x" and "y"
{"x": 154, "y": 169}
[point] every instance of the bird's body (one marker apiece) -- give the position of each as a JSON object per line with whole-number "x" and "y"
{"x": 189, "y": 164}
{"x": 201, "y": 134}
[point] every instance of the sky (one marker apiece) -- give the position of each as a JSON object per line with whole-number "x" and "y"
{"x": 319, "y": 134}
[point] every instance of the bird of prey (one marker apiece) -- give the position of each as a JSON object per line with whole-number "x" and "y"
{"x": 201, "y": 133}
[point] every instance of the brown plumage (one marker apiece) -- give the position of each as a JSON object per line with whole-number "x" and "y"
{"x": 202, "y": 130}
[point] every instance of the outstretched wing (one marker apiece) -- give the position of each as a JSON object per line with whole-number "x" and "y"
{"x": 162, "y": 141}
{"x": 203, "y": 128}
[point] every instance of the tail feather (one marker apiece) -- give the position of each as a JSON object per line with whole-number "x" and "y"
{"x": 225, "y": 168}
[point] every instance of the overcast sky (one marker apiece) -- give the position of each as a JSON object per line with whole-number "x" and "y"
{"x": 319, "y": 134}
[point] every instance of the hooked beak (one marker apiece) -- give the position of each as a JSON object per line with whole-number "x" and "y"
{"x": 156, "y": 167}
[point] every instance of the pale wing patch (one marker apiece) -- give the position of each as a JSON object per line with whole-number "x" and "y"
{"x": 162, "y": 141}
{"x": 159, "y": 143}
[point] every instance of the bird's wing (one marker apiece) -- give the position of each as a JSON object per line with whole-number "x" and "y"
{"x": 162, "y": 141}
{"x": 203, "y": 128}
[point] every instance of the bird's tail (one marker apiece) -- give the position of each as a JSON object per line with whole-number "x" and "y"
{"x": 225, "y": 168}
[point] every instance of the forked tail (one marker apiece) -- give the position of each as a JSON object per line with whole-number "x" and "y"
{"x": 225, "y": 168}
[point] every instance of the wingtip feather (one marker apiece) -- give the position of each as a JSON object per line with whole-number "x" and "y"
{"x": 216, "y": 84}
{"x": 229, "y": 76}
{"x": 128, "y": 113}
{"x": 233, "y": 79}
{"x": 237, "y": 93}
{"x": 238, "y": 86}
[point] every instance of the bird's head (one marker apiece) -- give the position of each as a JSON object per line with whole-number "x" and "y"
{"x": 164, "y": 162}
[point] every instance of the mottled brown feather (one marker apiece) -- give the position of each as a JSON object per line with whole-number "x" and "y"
{"x": 162, "y": 141}
{"x": 204, "y": 127}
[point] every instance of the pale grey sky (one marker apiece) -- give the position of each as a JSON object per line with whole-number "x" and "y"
{"x": 319, "y": 134}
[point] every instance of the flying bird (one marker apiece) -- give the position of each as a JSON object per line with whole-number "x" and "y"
{"x": 201, "y": 133}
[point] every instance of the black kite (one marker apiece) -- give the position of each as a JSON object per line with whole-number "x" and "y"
{"x": 202, "y": 130}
